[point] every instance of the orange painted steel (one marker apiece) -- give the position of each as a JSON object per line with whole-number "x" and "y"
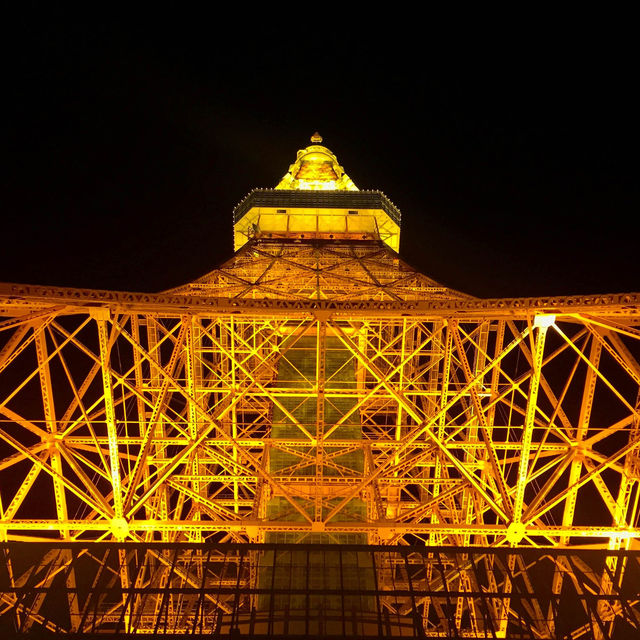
{"x": 483, "y": 423}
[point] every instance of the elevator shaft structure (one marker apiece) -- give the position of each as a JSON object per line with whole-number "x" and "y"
{"x": 317, "y": 440}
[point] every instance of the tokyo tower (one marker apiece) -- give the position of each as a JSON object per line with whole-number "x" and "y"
{"x": 315, "y": 440}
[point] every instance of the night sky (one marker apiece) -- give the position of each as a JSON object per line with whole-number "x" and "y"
{"x": 513, "y": 160}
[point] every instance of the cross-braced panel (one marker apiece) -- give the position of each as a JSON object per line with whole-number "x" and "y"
{"x": 327, "y": 395}
{"x": 143, "y": 427}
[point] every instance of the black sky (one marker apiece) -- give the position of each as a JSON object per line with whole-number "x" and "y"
{"x": 513, "y": 159}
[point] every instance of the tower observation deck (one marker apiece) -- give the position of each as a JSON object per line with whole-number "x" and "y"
{"x": 315, "y": 440}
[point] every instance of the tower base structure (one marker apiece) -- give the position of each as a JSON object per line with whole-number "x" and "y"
{"x": 350, "y": 591}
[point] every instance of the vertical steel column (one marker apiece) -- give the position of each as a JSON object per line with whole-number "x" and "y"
{"x": 576, "y": 464}
{"x": 161, "y": 502}
{"x": 191, "y": 329}
{"x": 515, "y": 532}
{"x": 46, "y": 388}
{"x": 320, "y": 383}
{"x": 119, "y": 525}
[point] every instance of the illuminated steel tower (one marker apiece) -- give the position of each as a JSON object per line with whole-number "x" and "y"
{"x": 316, "y": 440}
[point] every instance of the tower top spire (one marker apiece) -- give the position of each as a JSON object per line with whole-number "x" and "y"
{"x": 316, "y": 169}
{"x": 316, "y": 200}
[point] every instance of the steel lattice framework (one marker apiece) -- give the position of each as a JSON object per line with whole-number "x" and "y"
{"x": 317, "y": 389}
